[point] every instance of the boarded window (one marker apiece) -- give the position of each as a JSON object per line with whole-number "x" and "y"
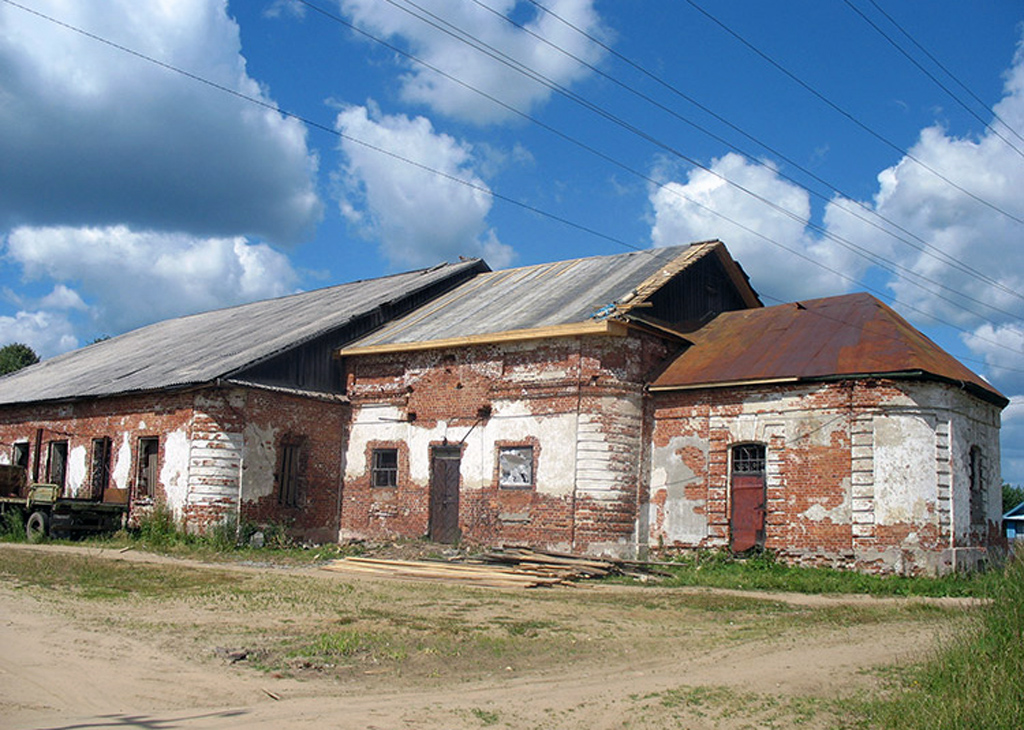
{"x": 289, "y": 474}
{"x": 384, "y": 469}
{"x": 748, "y": 459}
{"x": 99, "y": 471}
{"x": 978, "y": 506}
{"x": 515, "y": 467}
{"x": 57, "y": 462}
{"x": 149, "y": 451}
{"x": 19, "y": 455}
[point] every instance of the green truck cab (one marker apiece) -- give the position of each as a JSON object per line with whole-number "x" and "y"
{"x": 45, "y": 512}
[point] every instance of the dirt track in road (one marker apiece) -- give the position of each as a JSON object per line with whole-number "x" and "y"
{"x": 594, "y": 656}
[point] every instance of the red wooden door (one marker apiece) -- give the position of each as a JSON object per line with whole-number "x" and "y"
{"x": 444, "y": 494}
{"x": 748, "y": 508}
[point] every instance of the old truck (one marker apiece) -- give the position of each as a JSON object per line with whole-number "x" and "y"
{"x": 45, "y": 512}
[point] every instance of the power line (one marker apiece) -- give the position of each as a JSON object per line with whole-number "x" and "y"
{"x": 931, "y": 76}
{"x": 945, "y": 70}
{"x": 832, "y": 105}
{"x": 925, "y": 247}
{"x": 458, "y": 34}
{"x": 481, "y": 188}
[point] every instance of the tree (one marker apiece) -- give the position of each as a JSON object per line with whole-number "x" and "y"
{"x": 1012, "y": 496}
{"x": 16, "y": 356}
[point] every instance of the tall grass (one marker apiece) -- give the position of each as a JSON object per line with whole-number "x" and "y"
{"x": 977, "y": 678}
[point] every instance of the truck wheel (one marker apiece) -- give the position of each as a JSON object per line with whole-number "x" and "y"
{"x": 37, "y": 526}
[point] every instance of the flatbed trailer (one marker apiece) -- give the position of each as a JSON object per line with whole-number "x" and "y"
{"x": 45, "y": 513}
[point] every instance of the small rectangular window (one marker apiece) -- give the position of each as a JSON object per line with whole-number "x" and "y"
{"x": 149, "y": 451}
{"x": 56, "y": 462}
{"x": 99, "y": 473}
{"x": 384, "y": 470}
{"x": 515, "y": 467}
{"x": 289, "y": 474}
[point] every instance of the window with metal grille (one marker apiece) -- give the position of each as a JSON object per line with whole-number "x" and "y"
{"x": 146, "y": 477}
{"x": 977, "y": 487}
{"x": 515, "y": 467}
{"x": 748, "y": 459}
{"x": 99, "y": 473}
{"x": 289, "y": 474}
{"x": 384, "y": 469}
{"x": 57, "y": 462}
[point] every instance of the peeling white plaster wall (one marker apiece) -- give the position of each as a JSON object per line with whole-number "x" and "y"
{"x": 121, "y": 471}
{"x": 259, "y": 462}
{"x": 174, "y": 472}
{"x": 906, "y": 487}
{"x": 76, "y": 472}
{"x": 683, "y": 520}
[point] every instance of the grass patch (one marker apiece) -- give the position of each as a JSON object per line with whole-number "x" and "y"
{"x": 762, "y": 571}
{"x": 976, "y": 680}
{"x": 108, "y": 579}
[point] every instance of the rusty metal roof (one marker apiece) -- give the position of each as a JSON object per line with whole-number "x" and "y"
{"x": 850, "y": 335}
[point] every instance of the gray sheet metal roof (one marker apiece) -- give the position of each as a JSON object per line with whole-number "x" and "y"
{"x": 201, "y": 348}
{"x": 530, "y": 297}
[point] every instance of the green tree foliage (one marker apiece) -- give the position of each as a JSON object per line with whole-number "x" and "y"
{"x": 1012, "y": 496}
{"x": 16, "y": 356}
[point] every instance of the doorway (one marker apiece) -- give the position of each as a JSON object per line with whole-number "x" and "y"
{"x": 445, "y": 462}
{"x": 748, "y": 497}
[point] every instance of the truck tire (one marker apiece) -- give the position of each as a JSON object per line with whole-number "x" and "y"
{"x": 37, "y": 526}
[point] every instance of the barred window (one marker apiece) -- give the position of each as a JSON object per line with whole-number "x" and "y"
{"x": 748, "y": 459}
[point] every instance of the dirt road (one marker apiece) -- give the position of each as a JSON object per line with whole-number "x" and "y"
{"x": 650, "y": 659}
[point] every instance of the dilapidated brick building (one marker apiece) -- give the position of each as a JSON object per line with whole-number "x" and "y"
{"x": 612, "y": 405}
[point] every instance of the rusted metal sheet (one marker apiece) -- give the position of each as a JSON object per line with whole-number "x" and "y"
{"x": 748, "y": 510}
{"x": 854, "y": 334}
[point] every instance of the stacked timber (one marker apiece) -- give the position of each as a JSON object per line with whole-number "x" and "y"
{"x": 510, "y": 567}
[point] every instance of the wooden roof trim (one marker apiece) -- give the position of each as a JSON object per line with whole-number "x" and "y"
{"x": 611, "y": 327}
{"x": 687, "y": 258}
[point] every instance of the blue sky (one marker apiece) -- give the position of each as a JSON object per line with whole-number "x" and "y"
{"x": 795, "y": 132}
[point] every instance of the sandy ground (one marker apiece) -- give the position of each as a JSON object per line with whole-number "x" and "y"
{"x": 60, "y": 672}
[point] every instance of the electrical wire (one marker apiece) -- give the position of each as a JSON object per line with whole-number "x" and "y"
{"x": 481, "y": 188}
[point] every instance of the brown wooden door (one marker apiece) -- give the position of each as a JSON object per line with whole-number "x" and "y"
{"x": 444, "y": 494}
{"x": 748, "y": 510}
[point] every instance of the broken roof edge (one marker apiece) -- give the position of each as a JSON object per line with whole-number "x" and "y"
{"x": 992, "y": 396}
{"x": 686, "y": 258}
{"x": 611, "y": 327}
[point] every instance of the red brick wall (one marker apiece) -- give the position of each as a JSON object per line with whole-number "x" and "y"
{"x": 478, "y": 395}
{"x": 825, "y": 503}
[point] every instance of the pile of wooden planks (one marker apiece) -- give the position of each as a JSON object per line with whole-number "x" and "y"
{"x": 509, "y": 567}
{"x": 483, "y": 575}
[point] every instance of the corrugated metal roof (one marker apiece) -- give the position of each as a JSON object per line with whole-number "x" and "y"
{"x": 854, "y": 334}
{"x": 203, "y": 347}
{"x": 529, "y": 298}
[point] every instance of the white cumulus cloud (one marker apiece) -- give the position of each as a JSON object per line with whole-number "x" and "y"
{"x": 775, "y": 248}
{"x": 441, "y": 45}
{"x": 410, "y": 199}
{"x": 91, "y": 135}
{"x": 132, "y": 278}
